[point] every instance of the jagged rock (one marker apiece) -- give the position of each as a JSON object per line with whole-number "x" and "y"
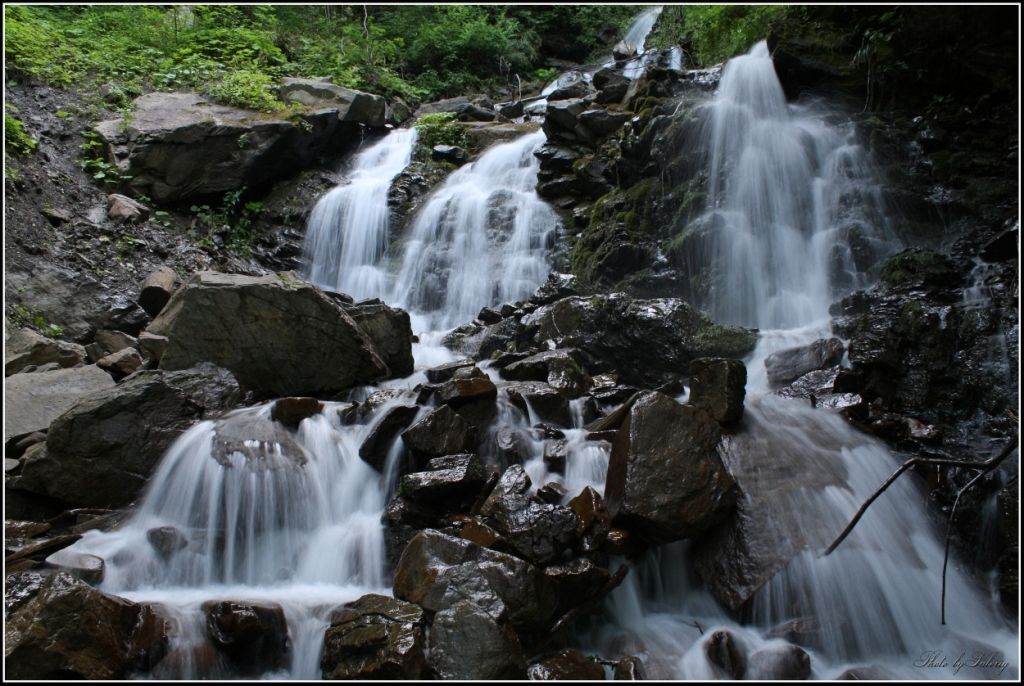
{"x": 468, "y": 385}
{"x": 375, "y": 637}
{"x": 253, "y": 637}
{"x": 648, "y": 342}
{"x": 25, "y": 348}
{"x": 292, "y": 411}
{"x": 538, "y": 532}
{"x": 33, "y": 401}
{"x": 576, "y": 581}
{"x": 178, "y": 146}
{"x": 611, "y": 85}
{"x": 442, "y": 432}
{"x": 790, "y": 364}
{"x": 398, "y": 112}
{"x": 665, "y": 478}
{"x": 513, "y": 482}
{"x": 566, "y": 664}
{"x": 277, "y": 334}
{"x": 166, "y": 541}
{"x": 70, "y": 630}
{"x": 483, "y": 134}
{"x": 570, "y": 85}
{"x": 390, "y": 331}
{"x": 102, "y": 450}
{"x": 551, "y": 493}
{"x": 451, "y": 486}
{"x": 114, "y": 341}
{"x": 718, "y": 387}
{"x": 559, "y": 368}
{"x": 157, "y": 289}
{"x": 603, "y": 122}
{"x": 555, "y": 454}
{"x": 461, "y": 106}
{"x": 727, "y": 653}
{"x": 562, "y": 118}
{"x": 449, "y": 153}
{"x": 779, "y": 663}
{"x": 445, "y": 372}
{"x": 122, "y": 363}
{"x": 377, "y": 445}
{"x": 245, "y": 438}
{"x": 21, "y": 587}
{"x": 466, "y": 643}
{"x": 353, "y": 106}
{"x": 123, "y": 208}
{"x": 152, "y": 347}
{"x": 57, "y": 216}
{"x": 437, "y": 570}
{"x": 546, "y": 403}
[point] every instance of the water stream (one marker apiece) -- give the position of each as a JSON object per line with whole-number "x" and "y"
{"x": 295, "y": 519}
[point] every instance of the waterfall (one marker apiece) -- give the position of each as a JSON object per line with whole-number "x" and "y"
{"x": 347, "y": 236}
{"x": 786, "y": 189}
{"x": 784, "y": 182}
{"x": 481, "y": 239}
{"x": 636, "y": 36}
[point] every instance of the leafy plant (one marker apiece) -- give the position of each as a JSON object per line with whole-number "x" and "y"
{"x": 94, "y": 162}
{"x": 232, "y": 222}
{"x": 16, "y": 138}
{"x": 27, "y": 316}
{"x": 440, "y": 129}
{"x": 248, "y": 89}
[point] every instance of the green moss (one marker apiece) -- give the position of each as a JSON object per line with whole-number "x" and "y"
{"x": 914, "y": 266}
{"x": 16, "y": 138}
{"x": 717, "y": 340}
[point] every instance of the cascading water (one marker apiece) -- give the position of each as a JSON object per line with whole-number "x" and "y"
{"x": 782, "y": 183}
{"x": 347, "y": 237}
{"x": 636, "y": 36}
{"x": 785, "y": 190}
{"x": 481, "y": 239}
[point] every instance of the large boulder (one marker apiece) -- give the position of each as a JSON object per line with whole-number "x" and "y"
{"x": 375, "y": 637}
{"x": 253, "y": 637}
{"x": 437, "y": 570}
{"x": 101, "y": 451}
{"x": 69, "y": 630}
{"x": 665, "y": 479}
{"x": 442, "y": 432}
{"x": 718, "y": 386}
{"x": 277, "y": 334}
{"x": 467, "y": 643}
{"x": 567, "y": 665}
{"x": 452, "y": 482}
{"x": 33, "y": 401}
{"x": 390, "y": 331}
{"x": 792, "y": 363}
{"x": 352, "y": 105}
{"x": 648, "y": 342}
{"x": 178, "y": 146}
{"x": 25, "y": 348}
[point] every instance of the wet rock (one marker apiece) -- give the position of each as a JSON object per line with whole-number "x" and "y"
{"x": 33, "y": 401}
{"x": 540, "y": 400}
{"x": 727, "y": 653}
{"x": 475, "y": 531}
{"x": 88, "y": 568}
{"x": 292, "y": 411}
{"x": 775, "y": 663}
{"x": 603, "y": 122}
{"x": 576, "y": 581}
{"x": 57, "y": 216}
{"x": 375, "y": 637}
{"x": 468, "y": 385}
{"x": 451, "y": 487}
{"x": 102, "y": 450}
{"x": 166, "y": 541}
{"x": 790, "y": 364}
{"x": 551, "y": 493}
{"x": 566, "y": 665}
{"x": 563, "y": 116}
{"x": 590, "y": 509}
{"x": 110, "y": 342}
{"x": 559, "y": 368}
{"x": 623, "y": 51}
{"x": 377, "y": 446}
{"x": 21, "y": 587}
{"x": 70, "y": 630}
{"x": 352, "y": 105}
{"x": 536, "y": 531}
{"x": 125, "y": 209}
{"x": 555, "y": 454}
{"x": 513, "y": 482}
{"x": 466, "y": 643}
{"x": 179, "y": 146}
{"x": 157, "y": 289}
{"x": 449, "y": 153}
{"x": 445, "y": 372}
{"x": 611, "y": 85}
{"x": 277, "y": 334}
{"x": 718, "y": 387}
{"x": 866, "y": 673}
{"x": 648, "y": 342}
{"x": 152, "y": 347}
{"x": 121, "y": 363}
{"x": 512, "y": 445}
{"x": 570, "y": 85}
{"x": 254, "y": 637}
{"x": 629, "y": 668}
{"x": 1003, "y": 246}
{"x": 665, "y": 478}
{"x": 25, "y": 348}
{"x": 250, "y": 440}
{"x": 437, "y": 570}
{"x": 442, "y": 432}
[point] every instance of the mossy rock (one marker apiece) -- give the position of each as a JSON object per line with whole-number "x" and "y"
{"x": 918, "y": 267}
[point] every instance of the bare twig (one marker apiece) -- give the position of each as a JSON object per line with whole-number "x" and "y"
{"x": 949, "y": 536}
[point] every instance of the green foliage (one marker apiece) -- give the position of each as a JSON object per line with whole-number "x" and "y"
{"x": 16, "y": 138}
{"x": 440, "y": 129}
{"x": 573, "y": 32}
{"x": 94, "y": 162}
{"x": 232, "y": 222}
{"x": 717, "y": 32}
{"x": 247, "y": 89}
{"x": 26, "y": 316}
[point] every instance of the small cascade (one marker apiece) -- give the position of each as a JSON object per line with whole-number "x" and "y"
{"x": 347, "y": 237}
{"x": 481, "y": 239}
{"x": 788, "y": 195}
{"x": 636, "y": 36}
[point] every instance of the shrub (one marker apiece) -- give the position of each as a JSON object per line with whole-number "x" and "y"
{"x": 440, "y": 129}
{"x": 16, "y": 138}
{"x": 247, "y": 89}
